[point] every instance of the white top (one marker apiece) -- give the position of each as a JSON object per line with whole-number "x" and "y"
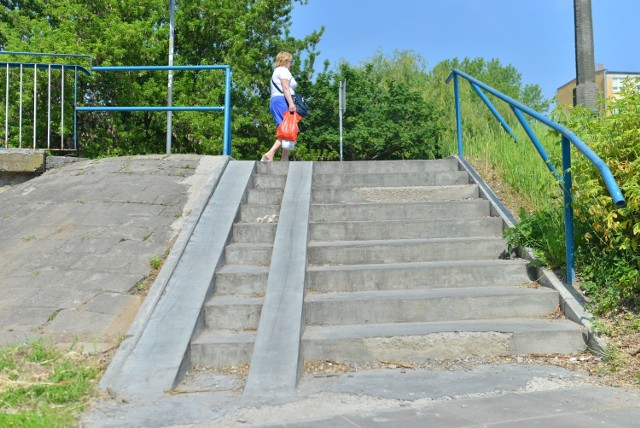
{"x": 278, "y": 74}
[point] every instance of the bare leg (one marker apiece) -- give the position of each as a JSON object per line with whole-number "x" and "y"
{"x": 285, "y": 155}
{"x": 272, "y": 152}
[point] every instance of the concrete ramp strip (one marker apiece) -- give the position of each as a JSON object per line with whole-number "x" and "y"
{"x": 277, "y": 358}
{"x": 157, "y": 359}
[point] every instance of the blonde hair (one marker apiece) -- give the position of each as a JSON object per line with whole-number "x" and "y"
{"x": 283, "y": 57}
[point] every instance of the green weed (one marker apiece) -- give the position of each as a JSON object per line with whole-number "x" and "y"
{"x": 155, "y": 262}
{"x": 614, "y": 359}
{"x": 543, "y": 232}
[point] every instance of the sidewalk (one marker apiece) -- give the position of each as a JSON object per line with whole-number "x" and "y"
{"x": 507, "y": 395}
{"x": 78, "y": 240}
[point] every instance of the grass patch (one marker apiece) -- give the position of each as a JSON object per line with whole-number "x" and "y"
{"x": 42, "y": 386}
{"x": 518, "y": 164}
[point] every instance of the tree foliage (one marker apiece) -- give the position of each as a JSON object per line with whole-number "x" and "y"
{"x": 245, "y": 34}
{"x": 386, "y": 115}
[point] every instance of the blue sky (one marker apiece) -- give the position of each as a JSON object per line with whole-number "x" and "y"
{"x": 536, "y": 37}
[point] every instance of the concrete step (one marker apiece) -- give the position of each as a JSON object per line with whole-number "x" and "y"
{"x": 231, "y": 315}
{"x": 251, "y": 213}
{"x": 222, "y": 348}
{"x": 405, "y": 229}
{"x": 390, "y": 179}
{"x": 405, "y": 250}
{"x": 252, "y": 253}
{"x": 369, "y": 167}
{"x": 472, "y": 208}
{"x": 264, "y": 196}
{"x": 441, "y": 340}
{"x": 233, "y": 312}
{"x": 275, "y": 168}
{"x": 269, "y": 181}
{"x": 400, "y": 276}
{"x": 428, "y": 305}
{"x": 247, "y": 280}
{"x": 254, "y": 232}
{"x": 340, "y": 195}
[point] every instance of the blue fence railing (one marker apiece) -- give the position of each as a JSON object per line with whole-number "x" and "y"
{"x": 567, "y": 138}
{"x": 65, "y": 106}
{"x": 226, "y": 108}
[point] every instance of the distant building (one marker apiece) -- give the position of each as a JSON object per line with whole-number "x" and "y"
{"x": 609, "y": 84}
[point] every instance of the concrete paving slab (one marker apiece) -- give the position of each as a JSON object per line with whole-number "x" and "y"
{"x": 88, "y": 228}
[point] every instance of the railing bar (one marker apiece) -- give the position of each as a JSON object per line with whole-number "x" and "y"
{"x": 20, "y": 114}
{"x": 49, "y": 110}
{"x": 226, "y": 150}
{"x": 62, "y": 109}
{"x": 152, "y": 108}
{"x": 456, "y": 89}
{"x": 534, "y": 139}
{"x": 568, "y": 138}
{"x": 35, "y": 111}
{"x": 44, "y": 66}
{"x": 495, "y": 112}
{"x": 568, "y": 210}
{"x": 6, "y": 117}
{"x": 50, "y": 54}
{"x": 226, "y": 108}
{"x": 75, "y": 112}
{"x": 161, "y": 67}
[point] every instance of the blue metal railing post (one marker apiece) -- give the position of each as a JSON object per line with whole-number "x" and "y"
{"x": 568, "y": 210}
{"x": 227, "y": 114}
{"x": 456, "y": 90}
{"x": 494, "y": 110}
{"x": 75, "y": 111}
{"x": 534, "y": 139}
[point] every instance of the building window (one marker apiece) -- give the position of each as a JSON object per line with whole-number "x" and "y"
{"x": 616, "y": 84}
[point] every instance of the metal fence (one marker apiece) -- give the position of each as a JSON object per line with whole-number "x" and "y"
{"x": 35, "y": 109}
{"x": 36, "y": 101}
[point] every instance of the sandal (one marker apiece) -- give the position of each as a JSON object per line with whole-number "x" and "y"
{"x": 264, "y": 159}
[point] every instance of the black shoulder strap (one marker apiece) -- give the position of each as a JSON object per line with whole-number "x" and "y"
{"x": 274, "y": 84}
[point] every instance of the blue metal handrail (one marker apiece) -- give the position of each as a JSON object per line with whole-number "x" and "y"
{"x": 567, "y": 138}
{"x": 51, "y": 55}
{"x": 227, "y": 98}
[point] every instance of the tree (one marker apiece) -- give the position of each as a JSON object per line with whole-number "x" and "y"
{"x": 387, "y": 115}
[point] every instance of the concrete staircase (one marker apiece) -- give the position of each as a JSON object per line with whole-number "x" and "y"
{"x": 404, "y": 261}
